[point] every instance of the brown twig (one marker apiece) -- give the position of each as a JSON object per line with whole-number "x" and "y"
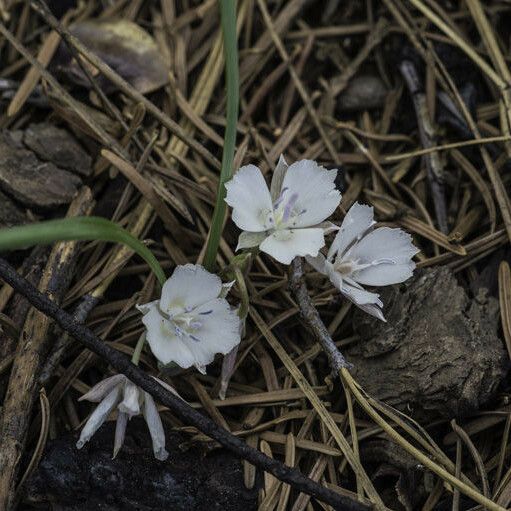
{"x": 182, "y": 409}
{"x": 435, "y": 170}
{"x": 313, "y": 320}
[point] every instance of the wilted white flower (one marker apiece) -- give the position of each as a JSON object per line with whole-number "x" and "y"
{"x": 361, "y": 255}
{"x": 192, "y": 321}
{"x": 287, "y": 221}
{"x": 119, "y": 392}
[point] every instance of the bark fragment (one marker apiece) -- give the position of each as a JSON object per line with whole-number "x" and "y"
{"x": 438, "y": 353}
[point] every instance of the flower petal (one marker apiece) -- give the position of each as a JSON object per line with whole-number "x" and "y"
{"x": 318, "y": 263}
{"x": 226, "y": 288}
{"x": 219, "y": 333}
{"x": 384, "y": 245}
{"x": 373, "y": 310}
{"x": 389, "y": 252}
{"x": 99, "y": 391}
{"x": 328, "y": 227}
{"x": 285, "y": 245}
{"x": 120, "y": 432}
{"x": 163, "y": 341}
{"x": 98, "y": 416}
{"x": 357, "y": 221}
{"x": 155, "y": 426}
{"x": 144, "y": 308}
{"x": 317, "y": 197}
{"x": 278, "y": 178}
{"x": 250, "y": 199}
{"x": 189, "y": 286}
{"x": 130, "y": 403}
{"x": 167, "y": 386}
{"x": 359, "y": 295}
{"x": 250, "y": 239}
{"x": 384, "y": 274}
{"x": 365, "y": 300}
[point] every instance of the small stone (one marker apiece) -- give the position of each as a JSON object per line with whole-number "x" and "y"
{"x": 32, "y": 182}
{"x": 438, "y": 354}
{"x": 10, "y": 214}
{"x": 57, "y": 146}
{"x": 364, "y": 92}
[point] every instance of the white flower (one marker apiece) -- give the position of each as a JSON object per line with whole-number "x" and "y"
{"x": 192, "y": 321}
{"x": 119, "y": 392}
{"x": 286, "y": 222}
{"x": 361, "y": 255}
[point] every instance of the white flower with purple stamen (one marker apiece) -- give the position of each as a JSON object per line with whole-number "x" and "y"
{"x": 361, "y": 255}
{"x": 192, "y": 321}
{"x": 117, "y": 392}
{"x": 288, "y": 220}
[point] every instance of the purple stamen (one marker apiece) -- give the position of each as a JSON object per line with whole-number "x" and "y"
{"x": 193, "y": 338}
{"x": 288, "y": 208}
{"x": 280, "y": 198}
{"x": 206, "y": 312}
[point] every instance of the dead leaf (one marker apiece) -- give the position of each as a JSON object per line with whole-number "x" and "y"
{"x": 124, "y": 46}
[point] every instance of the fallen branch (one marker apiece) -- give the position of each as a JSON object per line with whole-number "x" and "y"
{"x": 182, "y": 409}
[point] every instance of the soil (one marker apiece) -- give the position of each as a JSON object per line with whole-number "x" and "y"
{"x": 89, "y": 479}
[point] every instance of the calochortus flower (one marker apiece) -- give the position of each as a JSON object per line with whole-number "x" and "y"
{"x": 192, "y": 321}
{"x": 117, "y": 392}
{"x": 361, "y": 255}
{"x": 287, "y": 220}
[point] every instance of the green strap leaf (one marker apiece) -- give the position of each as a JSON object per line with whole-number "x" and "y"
{"x": 228, "y": 19}
{"x": 88, "y": 228}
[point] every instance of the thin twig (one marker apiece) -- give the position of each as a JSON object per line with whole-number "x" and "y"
{"x": 182, "y": 409}
{"x": 435, "y": 170}
{"x": 313, "y": 320}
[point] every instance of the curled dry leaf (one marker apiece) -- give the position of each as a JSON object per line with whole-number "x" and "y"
{"x": 124, "y": 46}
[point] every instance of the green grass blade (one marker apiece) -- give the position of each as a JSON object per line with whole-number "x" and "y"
{"x": 76, "y": 229}
{"x": 228, "y": 18}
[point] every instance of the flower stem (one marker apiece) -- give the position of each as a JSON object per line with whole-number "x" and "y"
{"x": 311, "y": 316}
{"x": 138, "y": 349}
{"x": 228, "y": 18}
